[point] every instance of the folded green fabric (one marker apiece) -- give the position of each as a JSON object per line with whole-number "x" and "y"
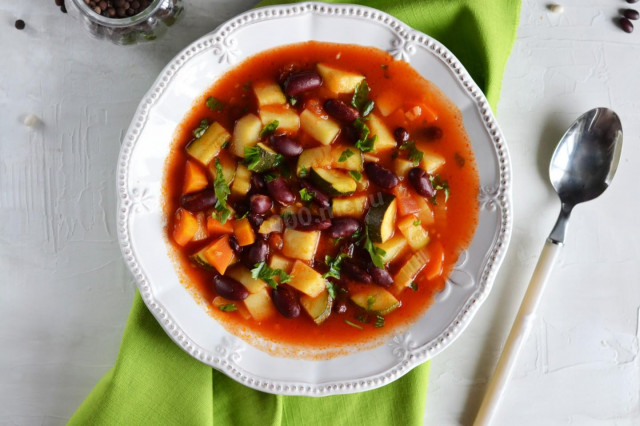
{"x": 154, "y": 382}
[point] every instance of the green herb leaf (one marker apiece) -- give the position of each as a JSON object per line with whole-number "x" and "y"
{"x": 305, "y": 195}
{"x": 331, "y": 289}
{"x": 199, "y": 131}
{"x": 226, "y": 144}
{"x": 334, "y": 264}
{"x": 345, "y": 155}
{"x": 414, "y": 286}
{"x": 269, "y": 128}
{"x": 230, "y": 307}
{"x": 270, "y": 177}
{"x": 375, "y": 252}
{"x": 367, "y": 108}
{"x": 222, "y": 191}
{"x": 417, "y": 222}
{"x": 415, "y": 154}
{"x": 304, "y": 172}
{"x": 214, "y": 104}
{"x": 359, "y": 327}
{"x": 263, "y": 272}
{"x": 251, "y": 157}
{"x": 293, "y": 100}
{"x": 384, "y": 66}
{"x": 364, "y": 143}
{"x": 379, "y": 321}
{"x": 360, "y": 95}
{"x": 336, "y": 241}
{"x": 440, "y": 185}
{"x": 370, "y": 301}
{"x": 356, "y": 175}
{"x": 357, "y": 235}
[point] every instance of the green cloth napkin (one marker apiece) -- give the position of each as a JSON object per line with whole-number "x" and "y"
{"x": 154, "y": 382}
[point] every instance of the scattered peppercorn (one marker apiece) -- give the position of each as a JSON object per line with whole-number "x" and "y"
{"x": 20, "y": 24}
{"x": 626, "y": 25}
{"x": 117, "y": 8}
{"x": 631, "y": 14}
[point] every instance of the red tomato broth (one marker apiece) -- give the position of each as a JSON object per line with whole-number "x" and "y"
{"x": 382, "y": 74}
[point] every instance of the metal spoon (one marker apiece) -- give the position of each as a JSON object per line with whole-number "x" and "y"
{"x": 581, "y": 168}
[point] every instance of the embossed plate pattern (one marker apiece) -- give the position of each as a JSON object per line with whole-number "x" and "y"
{"x": 140, "y": 214}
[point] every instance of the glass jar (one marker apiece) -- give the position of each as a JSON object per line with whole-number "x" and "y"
{"x": 147, "y": 25}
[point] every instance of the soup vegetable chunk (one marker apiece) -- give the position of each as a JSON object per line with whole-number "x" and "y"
{"x": 320, "y": 194}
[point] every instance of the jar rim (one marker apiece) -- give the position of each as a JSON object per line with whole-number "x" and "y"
{"x": 119, "y": 22}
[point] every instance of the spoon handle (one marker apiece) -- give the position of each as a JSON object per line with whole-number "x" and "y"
{"x": 519, "y": 332}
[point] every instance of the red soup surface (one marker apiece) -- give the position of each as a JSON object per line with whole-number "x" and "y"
{"x": 319, "y": 195}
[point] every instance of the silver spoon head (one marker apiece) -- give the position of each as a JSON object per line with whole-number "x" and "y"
{"x": 587, "y": 156}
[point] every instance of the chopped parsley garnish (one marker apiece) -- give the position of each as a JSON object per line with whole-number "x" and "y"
{"x": 269, "y": 128}
{"x": 263, "y": 272}
{"x": 214, "y": 104}
{"x": 356, "y": 175}
{"x": 334, "y": 264}
{"x": 359, "y": 327}
{"x": 417, "y": 222}
{"x": 414, "y": 286}
{"x": 337, "y": 241}
{"x": 415, "y": 155}
{"x": 370, "y": 301}
{"x": 221, "y": 188}
{"x": 376, "y": 253}
{"x": 253, "y": 157}
{"x": 293, "y": 100}
{"x": 305, "y": 195}
{"x": 384, "y": 66}
{"x": 226, "y": 144}
{"x": 459, "y": 159}
{"x": 365, "y": 143}
{"x": 440, "y": 185}
{"x": 331, "y": 289}
{"x": 199, "y": 131}
{"x": 357, "y": 235}
{"x": 361, "y": 99}
{"x": 304, "y": 172}
{"x": 270, "y": 177}
{"x": 379, "y": 321}
{"x": 345, "y": 155}
{"x": 230, "y": 307}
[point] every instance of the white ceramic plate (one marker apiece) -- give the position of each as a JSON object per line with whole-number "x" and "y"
{"x": 140, "y": 215}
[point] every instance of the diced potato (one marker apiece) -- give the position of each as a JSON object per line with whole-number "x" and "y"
{"x": 306, "y": 279}
{"x": 393, "y": 247}
{"x": 385, "y": 137}
{"x": 268, "y": 93}
{"x": 324, "y": 130}
{"x": 351, "y": 161}
{"x": 242, "y": 182}
{"x": 401, "y": 167}
{"x": 431, "y": 161}
{"x": 314, "y": 157}
{"x": 337, "y": 80}
{"x": 287, "y": 118}
{"x": 260, "y": 305}
{"x": 228, "y": 168}
{"x": 412, "y": 229}
{"x": 219, "y": 301}
{"x": 280, "y": 262}
{"x": 387, "y": 102}
{"x": 273, "y": 224}
{"x": 241, "y": 274}
{"x": 208, "y": 146}
{"x": 246, "y": 134}
{"x": 300, "y": 244}
{"x": 353, "y": 206}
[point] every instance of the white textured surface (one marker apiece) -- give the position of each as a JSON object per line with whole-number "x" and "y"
{"x": 65, "y": 292}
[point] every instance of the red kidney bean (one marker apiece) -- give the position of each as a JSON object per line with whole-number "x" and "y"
{"x": 301, "y": 82}
{"x": 347, "y": 248}
{"x": 362, "y": 258}
{"x": 341, "y": 110}
{"x": 421, "y": 183}
{"x": 260, "y": 204}
{"x": 343, "y": 227}
{"x": 319, "y": 197}
{"x": 631, "y": 14}
{"x": 255, "y": 220}
{"x": 241, "y": 207}
{"x": 229, "y": 288}
{"x": 258, "y": 252}
{"x": 198, "y": 201}
{"x": 257, "y": 183}
{"x": 433, "y": 133}
{"x": 626, "y": 25}
{"x": 280, "y": 191}
{"x": 381, "y": 277}
{"x": 353, "y": 271}
{"x": 233, "y": 243}
{"x": 285, "y": 301}
{"x": 351, "y": 133}
{"x": 285, "y": 145}
{"x": 381, "y": 176}
{"x": 311, "y": 223}
{"x": 401, "y": 134}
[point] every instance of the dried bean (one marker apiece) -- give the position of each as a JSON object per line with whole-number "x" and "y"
{"x": 301, "y": 82}
{"x": 233, "y": 243}
{"x": 341, "y": 110}
{"x": 343, "y": 227}
{"x": 260, "y": 204}
{"x": 626, "y": 25}
{"x": 401, "y": 135}
{"x": 319, "y": 197}
{"x": 257, "y": 183}
{"x": 421, "y": 183}
{"x": 280, "y": 191}
{"x": 255, "y": 220}
{"x": 257, "y": 253}
{"x": 285, "y": 301}
{"x": 631, "y": 14}
{"x": 351, "y": 270}
{"x": 312, "y": 223}
{"x": 381, "y": 176}
{"x": 285, "y": 145}
{"x": 229, "y": 288}
{"x": 199, "y": 201}
{"x": 381, "y": 277}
